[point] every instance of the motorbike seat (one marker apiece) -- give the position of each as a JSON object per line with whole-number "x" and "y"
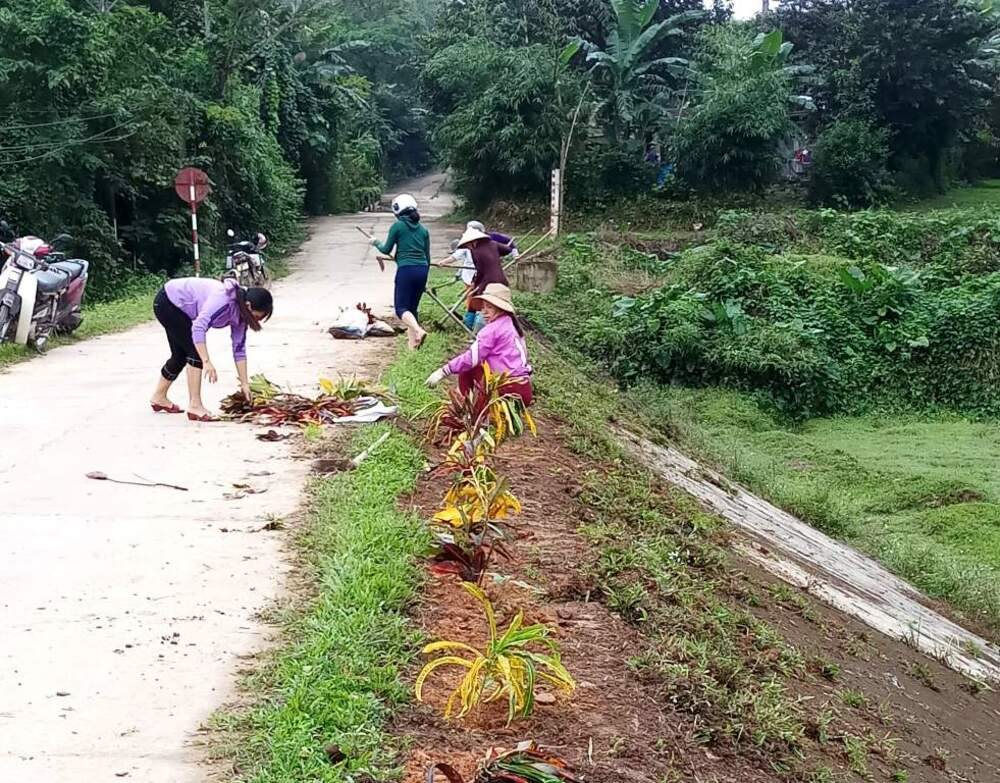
{"x": 51, "y": 282}
{"x": 244, "y": 247}
{"x": 73, "y": 268}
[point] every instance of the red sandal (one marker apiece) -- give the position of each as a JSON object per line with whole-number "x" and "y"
{"x": 208, "y": 417}
{"x": 164, "y": 409}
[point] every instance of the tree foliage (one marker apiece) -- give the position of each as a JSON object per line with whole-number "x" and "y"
{"x": 105, "y": 101}
{"x": 740, "y": 112}
{"x": 914, "y": 67}
{"x": 503, "y": 115}
{"x": 631, "y": 78}
{"x": 310, "y": 106}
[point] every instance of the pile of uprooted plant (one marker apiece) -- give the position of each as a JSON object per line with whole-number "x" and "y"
{"x": 271, "y": 406}
{"x": 469, "y": 532}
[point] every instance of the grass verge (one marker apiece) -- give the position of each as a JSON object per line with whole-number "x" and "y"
{"x": 100, "y": 318}
{"x": 662, "y": 564}
{"x": 336, "y": 676}
{"x": 919, "y": 493}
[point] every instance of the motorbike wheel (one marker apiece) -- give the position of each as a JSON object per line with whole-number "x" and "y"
{"x": 6, "y": 321}
{"x": 263, "y": 278}
{"x": 70, "y": 323}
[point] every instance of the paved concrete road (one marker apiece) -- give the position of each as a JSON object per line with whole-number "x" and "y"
{"x": 124, "y": 610}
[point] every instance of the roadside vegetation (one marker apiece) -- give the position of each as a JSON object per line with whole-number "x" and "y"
{"x": 839, "y": 364}
{"x": 99, "y": 318}
{"x": 738, "y": 673}
{"x": 768, "y": 682}
{"x": 291, "y": 108}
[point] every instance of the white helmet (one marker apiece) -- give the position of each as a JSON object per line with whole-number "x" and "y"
{"x": 475, "y": 224}
{"x": 402, "y": 203}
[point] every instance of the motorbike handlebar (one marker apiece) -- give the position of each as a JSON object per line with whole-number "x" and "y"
{"x": 16, "y": 252}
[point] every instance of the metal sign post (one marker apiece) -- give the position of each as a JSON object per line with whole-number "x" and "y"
{"x": 556, "y": 201}
{"x": 193, "y": 187}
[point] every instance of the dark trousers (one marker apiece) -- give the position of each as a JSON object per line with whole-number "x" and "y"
{"x": 410, "y": 284}
{"x": 471, "y": 378}
{"x": 178, "y": 328}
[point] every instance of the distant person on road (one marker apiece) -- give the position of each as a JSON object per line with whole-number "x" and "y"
{"x": 500, "y": 345}
{"x": 486, "y": 254}
{"x": 412, "y": 243}
{"x": 187, "y": 308}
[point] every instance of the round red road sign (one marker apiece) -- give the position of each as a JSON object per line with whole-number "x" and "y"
{"x": 192, "y": 186}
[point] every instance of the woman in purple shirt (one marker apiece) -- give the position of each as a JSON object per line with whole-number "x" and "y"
{"x": 187, "y": 308}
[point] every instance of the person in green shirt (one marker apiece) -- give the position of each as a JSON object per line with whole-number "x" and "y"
{"x": 412, "y": 243}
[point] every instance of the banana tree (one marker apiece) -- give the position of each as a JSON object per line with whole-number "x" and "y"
{"x": 770, "y": 52}
{"x": 627, "y": 72}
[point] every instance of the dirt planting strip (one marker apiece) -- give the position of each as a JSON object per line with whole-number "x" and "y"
{"x": 613, "y": 727}
{"x": 869, "y": 707}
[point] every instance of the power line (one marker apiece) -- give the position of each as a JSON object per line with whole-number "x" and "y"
{"x": 62, "y": 144}
{"x": 9, "y": 128}
{"x": 92, "y": 140}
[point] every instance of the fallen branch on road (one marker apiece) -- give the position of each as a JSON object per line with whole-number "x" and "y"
{"x": 98, "y": 476}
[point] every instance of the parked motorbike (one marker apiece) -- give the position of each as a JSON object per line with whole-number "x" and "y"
{"x": 41, "y": 291}
{"x": 245, "y": 261}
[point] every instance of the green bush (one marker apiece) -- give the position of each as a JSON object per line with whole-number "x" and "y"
{"x": 850, "y": 161}
{"x": 813, "y": 334}
{"x": 600, "y": 173}
{"x": 947, "y": 243}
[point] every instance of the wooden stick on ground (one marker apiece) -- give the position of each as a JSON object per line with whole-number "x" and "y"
{"x": 368, "y": 452}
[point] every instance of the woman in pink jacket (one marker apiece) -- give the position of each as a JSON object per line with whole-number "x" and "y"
{"x": 500, "y": 344}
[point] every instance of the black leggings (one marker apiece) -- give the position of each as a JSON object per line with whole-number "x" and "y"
{"x": 178, "y": 327}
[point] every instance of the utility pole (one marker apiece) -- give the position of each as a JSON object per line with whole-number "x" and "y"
{"x": 765, "y": 6}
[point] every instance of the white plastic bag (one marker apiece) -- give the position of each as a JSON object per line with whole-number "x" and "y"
{"x": 350, "y": 324}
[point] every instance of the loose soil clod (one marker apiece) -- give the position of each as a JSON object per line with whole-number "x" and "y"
{"x": 272, "y": 436}
{"x": 329, "y": 465}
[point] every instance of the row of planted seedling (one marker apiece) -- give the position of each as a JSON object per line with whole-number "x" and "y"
{"x": 470, "y": 531}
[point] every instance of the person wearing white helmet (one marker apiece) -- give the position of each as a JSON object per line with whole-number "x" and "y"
{"x": 411, "y": 242}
